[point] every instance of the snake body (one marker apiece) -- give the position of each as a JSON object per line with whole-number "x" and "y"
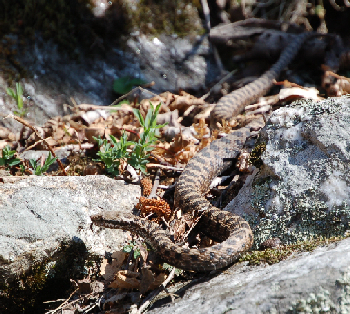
{"x": 232, "y": 231}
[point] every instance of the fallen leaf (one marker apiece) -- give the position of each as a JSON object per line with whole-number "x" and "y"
{"x": 126, "y": 279}
{"x": 147, "y": 279}
{"x": 298, "y": 92}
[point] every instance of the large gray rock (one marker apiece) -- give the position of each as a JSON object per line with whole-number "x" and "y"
{"x": 171, "y": 63}
{"x": 38, "y": 213}
{"x": 302, "y": 188}
{"x": 317, "y": 282}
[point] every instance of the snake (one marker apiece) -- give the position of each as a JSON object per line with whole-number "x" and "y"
{"x": 232, "y": 232}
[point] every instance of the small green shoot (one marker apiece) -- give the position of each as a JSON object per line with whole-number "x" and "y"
{"x": 124, "y": 101}
{"x": 169, "y": 268}
{"x": 112, "y": 153}
{"x": 22, "y": 168}
{"x": 140, "y": 152}
{"x": 132, "y": 247}
{"x": 8, "y": 158}
{"x": 38, "y": 169}
{"x": 18, "y": 97}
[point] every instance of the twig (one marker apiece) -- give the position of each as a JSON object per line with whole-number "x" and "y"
{"x": 336, "y": 6}
{"x": 218, "y": 59}
{"x": 164, "y": 167}
{"x": 64, "y": 303}
{"x": 85, "y": 107}
{"x": 54, "y": 301}
{"x": 206, "y": 12}
{"x": 134, "y": 89}
{"x": 152, "y": 295}
{"x": 155, "y": 185}
{"x": 24, "y": 122}
{"x": 165, "y": 222}
{"x": 166, "y": 187}
{"x": 36, "y": 143}
{"x": 225, "y": 78}
{"x": 185, "y": 235}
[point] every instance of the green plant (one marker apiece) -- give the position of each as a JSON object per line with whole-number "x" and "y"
{"x": 112, "y": 153}
{"x": 22, "y": 168}
{"x": 169, "y": 268}
{"x": 18, "y": 97}
{"x": 132, "y": 247}
{"x": 139, "y": 155}
{"x": 125, "y": 84}
{"x": 38, "y": 169}
{"x": 8, "y": 158}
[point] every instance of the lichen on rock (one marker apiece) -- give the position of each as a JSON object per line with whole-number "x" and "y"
{"x": 302, "y": 189}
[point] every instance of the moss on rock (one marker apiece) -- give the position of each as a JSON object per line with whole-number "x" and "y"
{"x": 46, "y": 280}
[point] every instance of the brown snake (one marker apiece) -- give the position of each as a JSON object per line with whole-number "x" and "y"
{"x": 232, "y": 231}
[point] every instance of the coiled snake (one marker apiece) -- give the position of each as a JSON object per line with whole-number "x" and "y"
{"x": 232, "y": 231}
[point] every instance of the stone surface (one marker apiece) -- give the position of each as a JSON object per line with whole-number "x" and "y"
{"x": 171, "y": 63}
{"x": 308, "y": 283}
{"x": 302, "y": 189}
{"x": 38, "y": 213}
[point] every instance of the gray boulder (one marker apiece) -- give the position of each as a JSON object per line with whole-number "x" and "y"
{"x": 38, "y": 213}
{"x": 302, "y": 188}
{"x": 317, "y": 282}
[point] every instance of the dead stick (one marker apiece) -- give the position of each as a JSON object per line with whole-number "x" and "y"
{"x": 153, "y": 193}
{"x": 164, "y": 167}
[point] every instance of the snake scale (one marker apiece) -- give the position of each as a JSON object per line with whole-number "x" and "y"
{"x": 232, "y": 231}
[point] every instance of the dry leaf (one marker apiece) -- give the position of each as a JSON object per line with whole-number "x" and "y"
{"x": 335, "y": 85}
{"x": 293, "y": 93}
{"x": 158, "y": 280}
{"x": 244, "y": 164}
{"x": 147, "y": 280}
{"x": 143, "y": 250}
{"x": 108, "y": 270}
{"x": 126, "y": 279}
{"x": 91, "y": 132}
{"x": 84, "y": 286}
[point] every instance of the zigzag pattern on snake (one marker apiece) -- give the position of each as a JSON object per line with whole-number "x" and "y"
{"x": 232, "y": 231}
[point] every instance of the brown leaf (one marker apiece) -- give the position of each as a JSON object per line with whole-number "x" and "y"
{"x": 143, "y": 252}
{"x": 147, "y": 280}
{"x": 180, "y": 226}
{"x": 298, "y": 92}
{"x": 84, "y": 286}
{"x": 108, "y": 270}
{"x": 335, "y": 85}
{"x": 91, "y": 132}
{"x": 158, "y": 280}
{"x": 126, "y": 279}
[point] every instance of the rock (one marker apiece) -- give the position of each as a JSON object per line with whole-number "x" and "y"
{"x": 302, "y": 189}
{"x": 172, "y": 63}
{"x": 316, "y": 282}
{"x": 38, "y": 213}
